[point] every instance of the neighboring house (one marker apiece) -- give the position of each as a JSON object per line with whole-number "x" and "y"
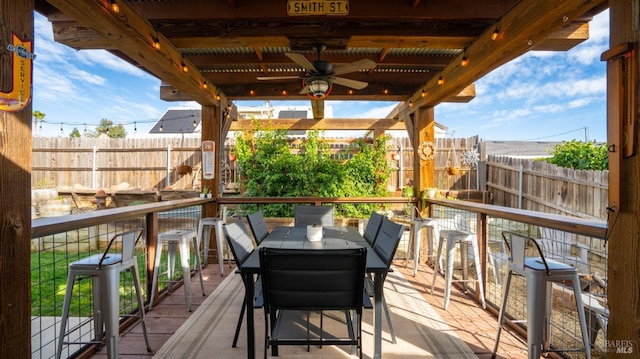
{"x": 178, "y": 120}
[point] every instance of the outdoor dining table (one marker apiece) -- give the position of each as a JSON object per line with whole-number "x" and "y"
{"x": 333, "y": 237}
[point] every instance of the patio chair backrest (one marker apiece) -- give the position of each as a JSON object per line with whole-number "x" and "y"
{"x": 462, "y": 224}
{"x": 127, "y": 248}
{"x": 372, "y": 228}
{"x": 239, "y": 241}
{"x": 518, "y": 245}
{"x": 313, "y": 279}
{"x": 313, "y": 215}
{"x": 258, "y": 226}
{"x": 388, "y": 239}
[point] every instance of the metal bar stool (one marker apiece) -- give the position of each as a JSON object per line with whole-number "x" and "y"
{"x": 173, "y": 238}
{"x": 104, "y": 270}
{"x": 539, "y": 273}
{"x": 204, "y": 232}
{"x": 462, "y": 237}
{"x": 417, "y": 223}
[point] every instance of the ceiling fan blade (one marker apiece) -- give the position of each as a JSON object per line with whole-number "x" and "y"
{"x": 355, "y": 84}
{"x": 262, "y": 78}
{"x": 355, "y": 66}
{"x": 301, "y": 60}
{"x": 305, "y": 90}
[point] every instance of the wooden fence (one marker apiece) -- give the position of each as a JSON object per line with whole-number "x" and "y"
{"x": 152, "y": 163}
{"x": 544, "y": 187}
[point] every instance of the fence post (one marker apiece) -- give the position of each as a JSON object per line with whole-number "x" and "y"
{"x": 168, "y": 182}
{"x": 94, "y": 184}
{"x": 520, "y": 175}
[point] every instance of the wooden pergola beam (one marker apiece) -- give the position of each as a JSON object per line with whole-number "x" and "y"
{"x": 520, "y": 30}
{"x": 324, "y": 124}
{"x": 132, "y": 35}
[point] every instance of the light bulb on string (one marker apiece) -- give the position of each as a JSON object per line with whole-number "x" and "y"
{"x": 135, "y": 128}
{"x": 114, "y": 6}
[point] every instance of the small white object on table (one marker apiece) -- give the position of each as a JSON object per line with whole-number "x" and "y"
{"x": 314, "y": 233}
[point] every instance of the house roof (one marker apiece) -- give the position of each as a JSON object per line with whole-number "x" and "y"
{"x": 178, "y": 120}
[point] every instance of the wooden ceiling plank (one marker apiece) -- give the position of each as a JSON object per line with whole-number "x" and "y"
{"x": 260, "y": 9}
{"x": 132, "y": 35}
{"x": 529, "y": 20}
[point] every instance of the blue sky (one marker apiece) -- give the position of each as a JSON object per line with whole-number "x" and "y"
{"x": 541, "y": 96}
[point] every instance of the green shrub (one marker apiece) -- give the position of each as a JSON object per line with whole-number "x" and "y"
{"x": 580, "y": 155}
{"x": 269, "y": 168}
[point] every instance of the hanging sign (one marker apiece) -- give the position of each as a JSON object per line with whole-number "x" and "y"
{"x": 317, "y": 7}
{"x": 21, "y": 69}
{"x": 208, "y": 160}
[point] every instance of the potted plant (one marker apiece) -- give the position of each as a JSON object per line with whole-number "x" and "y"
{"x": 431, "y": 192}
{"x": 205, "y": 192}
{"x": 232, "y": 156}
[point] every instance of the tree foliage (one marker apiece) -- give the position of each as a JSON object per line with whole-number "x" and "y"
{"x": 106, "y": 127}
{"x": 75, "y": 133}
{"x": 580, "y": 155}
{"x": 269, "y": 168}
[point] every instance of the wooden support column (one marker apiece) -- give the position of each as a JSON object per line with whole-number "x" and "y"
{"x": 623, "y": 334}
{"x": 211, "y": 120}
{"x": 15, "y": 191}
{"x": 423, "y": 130}
{"x": 211, "y": 129}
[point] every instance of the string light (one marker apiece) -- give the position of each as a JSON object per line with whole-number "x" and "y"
{"x": 184, "y": 67}
{"x": 465, "y": 61}
{"x": 495, "y": 34}
{"x": 410, "y": 103}
{"x": 194, "y": 120}
{"x": 252, "y": 92}
{"x": 161, "y": 126}
{"x": 386, "y": 91}
{"x": 61, "y": 129}
{"x": 114, "y": 6}
{"x": 350, "y": 92}
{"x": 85, "y": 129}
{"x": 135, "y": 128}
{"x": 424, "y": 93}
{"x": 204, "y": 84}
{"x": 441, "y": 80}
{"x": 284, "y": 92}
{"x": 156, "y": 43}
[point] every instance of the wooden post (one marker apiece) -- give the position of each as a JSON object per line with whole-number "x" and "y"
{"x": 211, "y": 120}
{"x": 623, "y": 334}
{"x": 15, "y": 193}
{"x": 423, "y": 171}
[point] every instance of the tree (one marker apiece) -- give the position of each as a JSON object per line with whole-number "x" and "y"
{"x": 106, "y": 127}
{"x": 75, "y": 133}
{"x": 37, "y": 116}
{"x": 580, "y": 155}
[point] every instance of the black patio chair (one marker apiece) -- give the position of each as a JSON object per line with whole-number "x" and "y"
{"x": 258, "y": 227}
{"x": 312, "y": 280}
{"x": 241, "y": 247}
{"x": 372, "y": 228}
{"x": 313, "y": 215}
{"x": 386, "y": 244}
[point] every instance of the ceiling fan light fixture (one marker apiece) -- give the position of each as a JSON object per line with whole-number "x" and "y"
{"x": 318, "y": 87}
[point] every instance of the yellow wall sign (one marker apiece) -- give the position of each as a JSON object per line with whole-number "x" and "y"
{"x": 21, "y": 69}
{"x": 317, "y": 7}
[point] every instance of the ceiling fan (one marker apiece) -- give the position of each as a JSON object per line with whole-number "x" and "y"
{"x": 320, "y": 76}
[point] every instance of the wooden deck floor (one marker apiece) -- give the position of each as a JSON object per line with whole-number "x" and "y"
{"x": 475, "y": 326}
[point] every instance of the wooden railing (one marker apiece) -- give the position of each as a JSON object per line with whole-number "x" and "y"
{"x": 149, "y": 215}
